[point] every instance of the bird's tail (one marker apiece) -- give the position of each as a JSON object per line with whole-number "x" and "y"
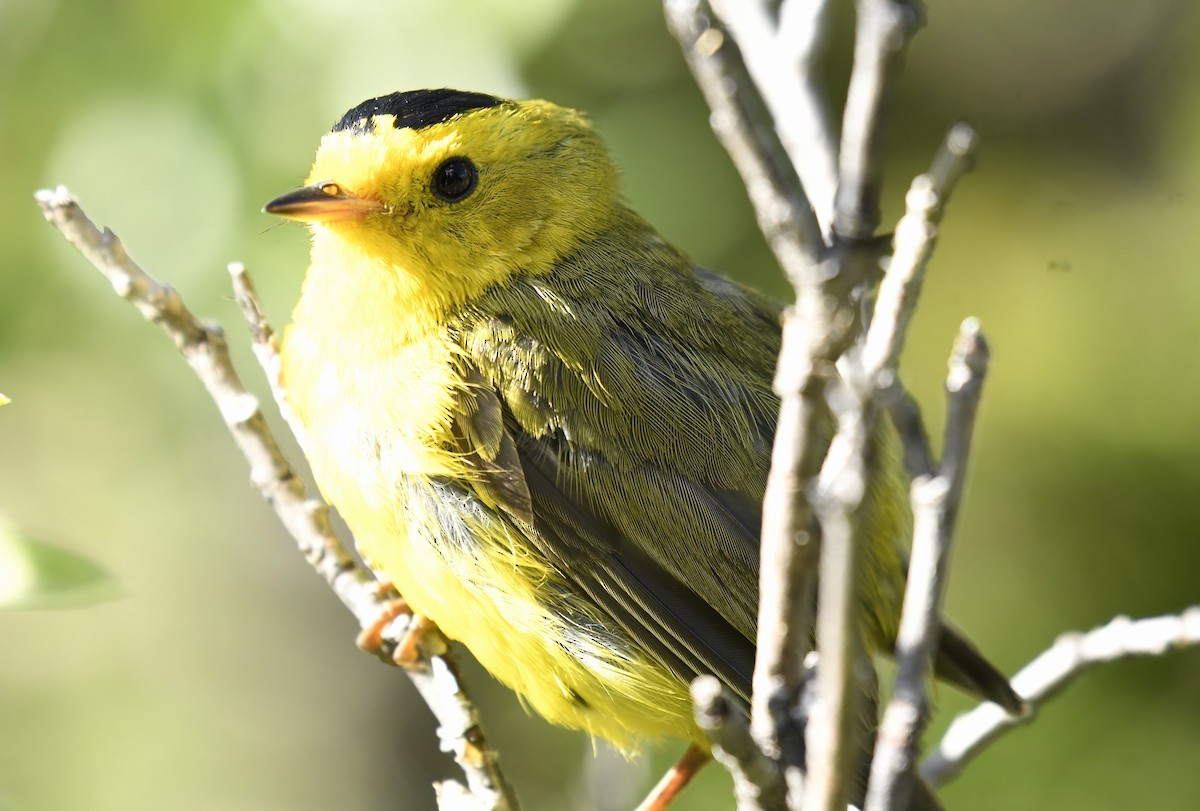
{"x": 960, "y": 663}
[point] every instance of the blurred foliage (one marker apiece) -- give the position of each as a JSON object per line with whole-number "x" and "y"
{"x": 226, "y": 675}
{"x": 35, "y": 574}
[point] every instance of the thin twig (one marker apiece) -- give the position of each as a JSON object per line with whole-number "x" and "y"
{"x": 914, "y": 241}
{"x": 307, "y": 520}
{"x": 758, "y": 783}
{"x": 790, "y": 534}
{"x": 265, "y": 343}
{"x": 784, "y": 212}
{"x": 899, "y": 292}
{"x": 935, "y": 512}
{"x": 810, "y": 344}
{"x": 832, "y": 726}
{"x": 934, "y": 496}
{"x": 884, "y": 30}
{"x": 780, "y": 61}
{"x": 1069, "y": 658}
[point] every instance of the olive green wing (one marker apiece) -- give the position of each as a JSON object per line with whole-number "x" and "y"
{"x": 639, "y": 421}
{"x": 525, "y": 478}
{"x": 642, "y": 424}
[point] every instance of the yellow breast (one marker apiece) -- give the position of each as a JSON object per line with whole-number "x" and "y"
{"x": 378, "y": 437}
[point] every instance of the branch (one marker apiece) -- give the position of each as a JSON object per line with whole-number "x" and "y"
{"x": 935, "y": 511}
{"x": 900, "y": 290}
{"x": 1069, "y": 658}
{"x": 831, "y": 735}
{"x": 781, "y": 61}
{"x": 817, "y": 330}
{"x": 435, "y": 676}
{"x": 784, "y": 212}
{"x": 758, "y": 781}
{"x": 809, "y": 347}
{"x": 307, "y": 520}
{"x": 913, "y": 244}
{"x": 884, "y": 30}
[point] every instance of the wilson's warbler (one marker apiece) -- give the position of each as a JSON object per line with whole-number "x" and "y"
{"x": 542, "y": 423}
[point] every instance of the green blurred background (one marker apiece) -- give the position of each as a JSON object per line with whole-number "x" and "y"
{"x": 225, "y": 674}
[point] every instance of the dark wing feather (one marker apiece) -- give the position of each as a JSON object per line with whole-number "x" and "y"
{"x": 489, "y": 449}
{"x": 638, "y": 420}
{"x": 662, "y": 614}
{"x": 640, "y": 410}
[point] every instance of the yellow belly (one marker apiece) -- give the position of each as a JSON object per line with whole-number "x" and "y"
{"x": 473, "y": 574}
{"x": 376, "y": 439}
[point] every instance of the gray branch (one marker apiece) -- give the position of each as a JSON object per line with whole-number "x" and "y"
{"x": 758, "y": 781}
{"x": 817, "y": 331}
{"x": 784, "y": 212}
{"x": 884, "y": 30}
{"x": 780, "y": 58}
{"x": 935, "y": 511}
{"x": 307, "y": 520}
{"x": 1069, "y": 658}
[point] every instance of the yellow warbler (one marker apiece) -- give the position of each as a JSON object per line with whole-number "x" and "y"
{"x": 543, "y": 424}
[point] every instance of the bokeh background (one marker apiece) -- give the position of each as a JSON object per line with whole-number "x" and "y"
{"x": 224, "y": 674}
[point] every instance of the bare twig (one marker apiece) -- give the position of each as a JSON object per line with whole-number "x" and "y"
{"x": 781, "y": 62}
{"x": 884, "y": 30}
{"x": 789, "y": 540}
{"x": 265, "y": 343}
{"x": 816, "y": 331}
{"x": 790, "y": 534}
{"x": 935, "y": 511}
{"x": 832, "y": 725}
{"x": 934, "y": 497}
{"x": 758, "y": 782}
{"x": 307, "y": 520}
{"x": 1069, "y": 658}
{"x": 784, "y": 212}
{"x": 914, "y": 240}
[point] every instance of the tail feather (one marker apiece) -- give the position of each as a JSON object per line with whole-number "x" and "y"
{"x": 960, "y": 663}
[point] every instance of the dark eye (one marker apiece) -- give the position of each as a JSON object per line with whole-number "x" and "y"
{"x": 454, "y": 179}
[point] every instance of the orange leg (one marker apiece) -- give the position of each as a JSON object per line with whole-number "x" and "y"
{"x": 370, "y": 639}
{"x": 673, "y": 782}
{"x": 408, "y": 653}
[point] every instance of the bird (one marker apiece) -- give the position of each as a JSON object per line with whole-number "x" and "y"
{"x": 545, "y": 425}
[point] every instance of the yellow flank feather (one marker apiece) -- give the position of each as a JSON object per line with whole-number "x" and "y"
{"x": 544, "y": 425}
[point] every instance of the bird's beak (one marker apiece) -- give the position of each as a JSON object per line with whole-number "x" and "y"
{"x": 322, "y": 202}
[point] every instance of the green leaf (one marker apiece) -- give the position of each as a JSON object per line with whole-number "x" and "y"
{"x": 35, "y": 574}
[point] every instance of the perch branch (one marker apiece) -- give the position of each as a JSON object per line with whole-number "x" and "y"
{"x": 781, "y": 61}
{"x": 1068, "y": 659}
{"x": 883, "y": 32}
{"x": 935, "y": 511}
{"x": 307, "y": 520}
{"x": 758, "y": 781}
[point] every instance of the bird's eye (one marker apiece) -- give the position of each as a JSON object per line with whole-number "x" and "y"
{"x": 454, "y": 179}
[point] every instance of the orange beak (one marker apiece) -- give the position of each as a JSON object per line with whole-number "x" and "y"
{"x": 322, "y": 202}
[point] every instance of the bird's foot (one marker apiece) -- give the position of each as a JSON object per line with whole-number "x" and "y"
{"x": 407, "y": 651}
